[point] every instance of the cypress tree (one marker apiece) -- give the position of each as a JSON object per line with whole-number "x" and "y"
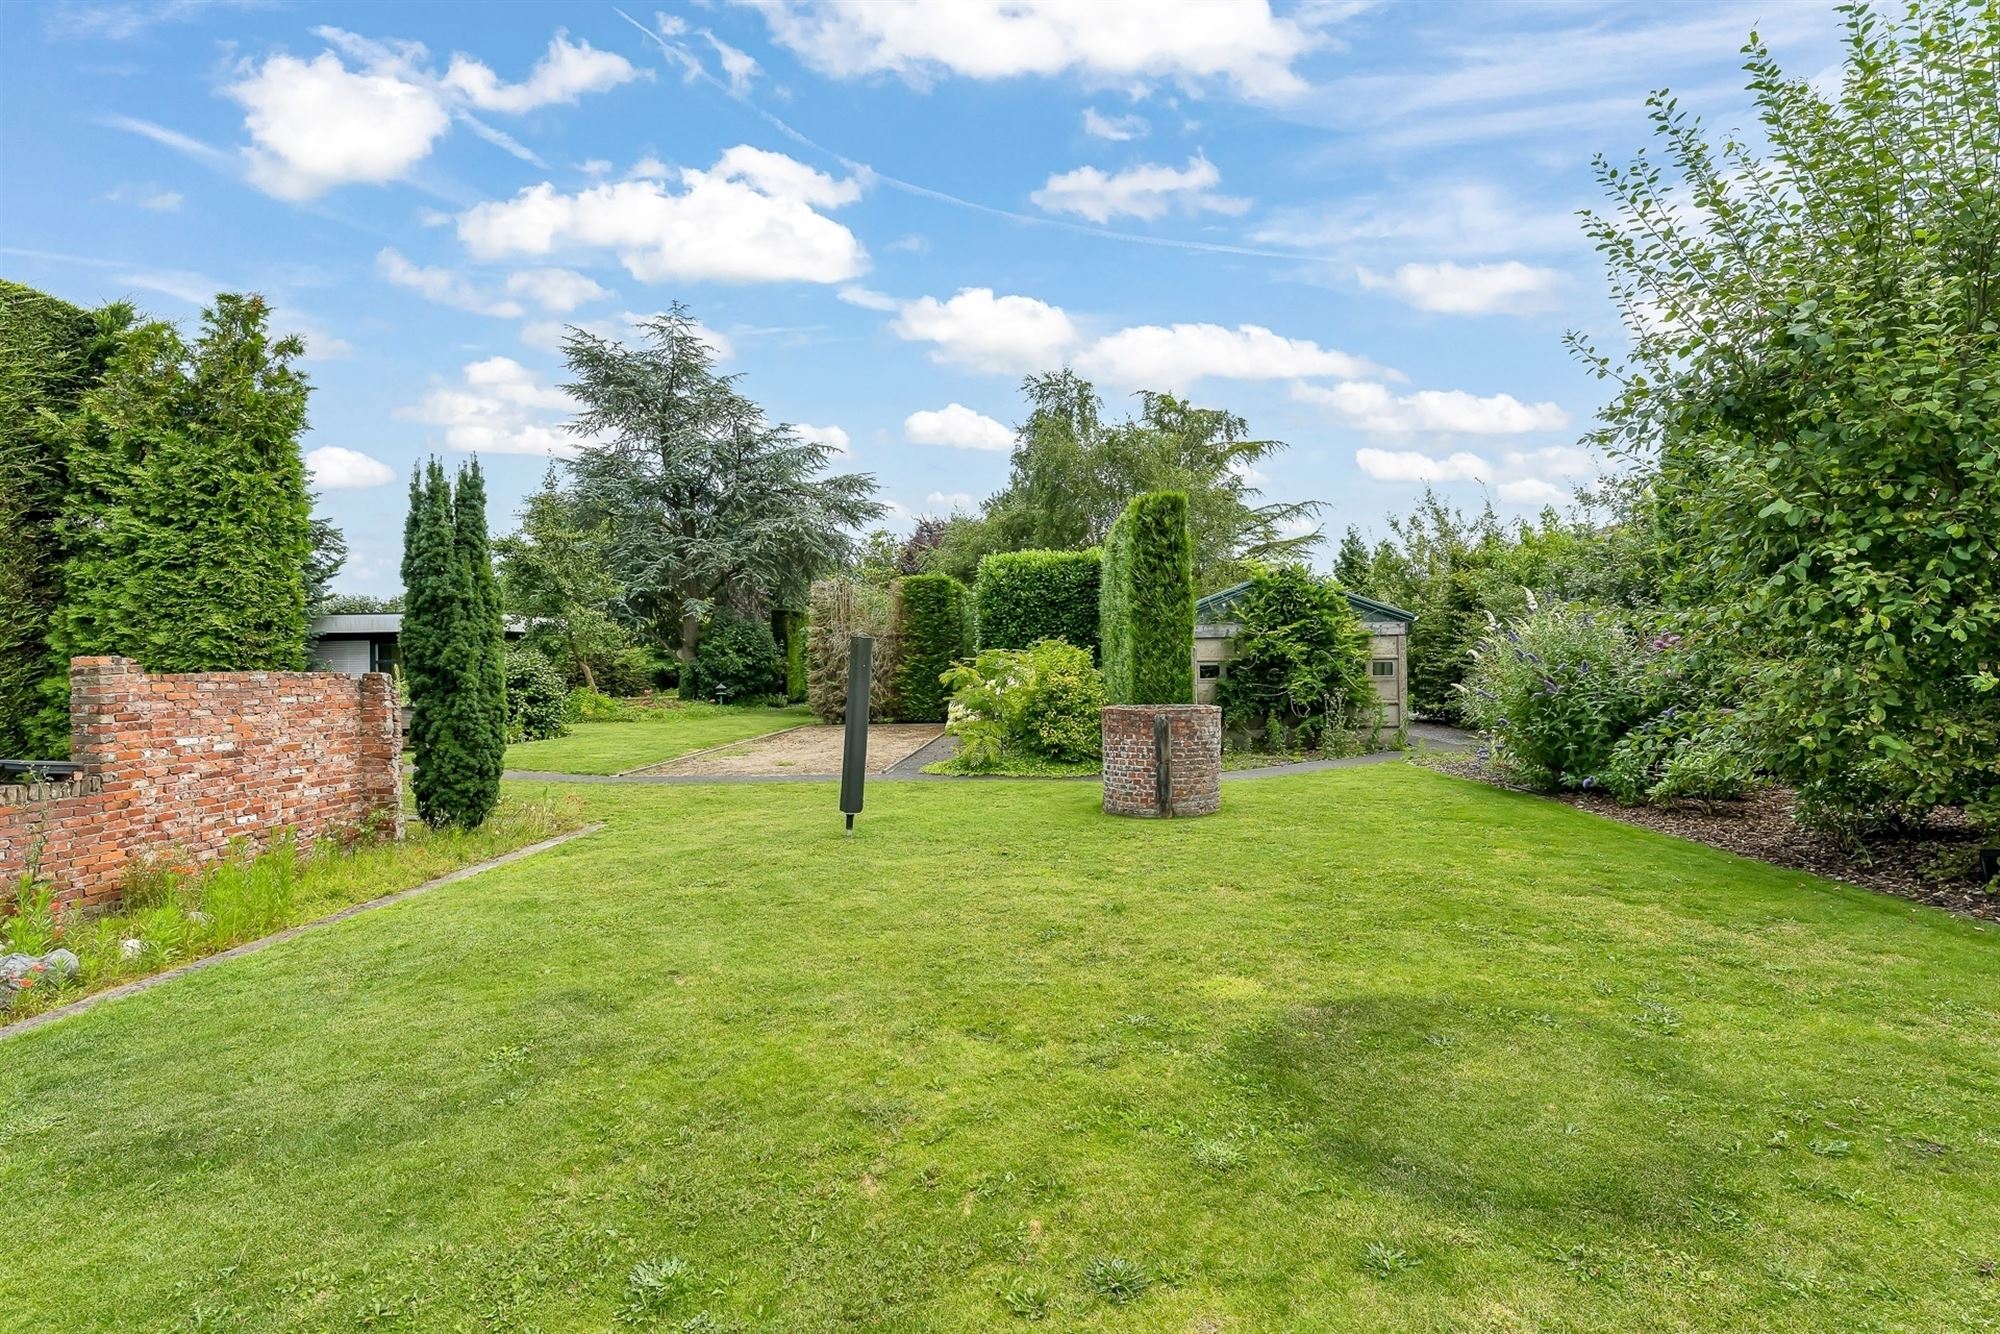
{"x": 485, "y": 633}
{"x": 443, "y": 664}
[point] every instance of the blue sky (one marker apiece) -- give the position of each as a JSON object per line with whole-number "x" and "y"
{"x": 1351, "y": 223}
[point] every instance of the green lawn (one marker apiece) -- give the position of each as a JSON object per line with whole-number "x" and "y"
{"x": 614, "y": 747}
{"x": 1372, "y": 1049}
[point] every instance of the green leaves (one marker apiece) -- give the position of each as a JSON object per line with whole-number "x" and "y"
{"x": 1818, "y": 431}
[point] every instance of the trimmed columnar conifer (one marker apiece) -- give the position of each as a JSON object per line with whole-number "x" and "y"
{"x": 1028, "y": 596}
{"x": 932, "y": 625}
{"x": 1146, "y": 603}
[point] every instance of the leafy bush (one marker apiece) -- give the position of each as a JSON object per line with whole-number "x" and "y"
{"x": 1027, "y": 596}
{"x": 1695, "y": 754}
{"x": 537, "y": 699}
{"x": 1299, "y": 676}
{"x": 737, "y": 662}
{"x": 837, "y": 610}
{"x": 1146, "y": 603}
{"x": 1041, "y": 702}
{"x": 932, "y": 626}
{"x": 790, "y": 629}
{"x": 1557, "y": 690}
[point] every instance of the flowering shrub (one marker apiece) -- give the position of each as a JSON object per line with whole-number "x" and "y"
{"x": 1557, "y": 689}
{"x": 1576, "y": 698}
{"x": 1042, "y": 701}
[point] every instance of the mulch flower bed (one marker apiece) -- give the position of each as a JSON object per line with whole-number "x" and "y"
{"x": 1937, "y": 865}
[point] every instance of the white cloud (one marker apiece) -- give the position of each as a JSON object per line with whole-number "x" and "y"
{"x": 566, "y": 71}
{"x": 1190, "y": 41}
{"x": 957, "y": 427}
{"x": 1003, "y": 335}
{"x": 1556, "y": 461}
{"x": 949, "y": 502}
{"x": 739, "y": 67}
{"x": 149, "y": 197}
{"x": 1373, "y": 407}
{"x": 1410, "y": 465}
{"x": 315, "y": 124}
{"x": 502, "y": 407}
{"x": 1511, "y": 288}
{"x": 1173, "y": 357}
{"x": 867, "y": 298}
{"x": 1144, "y": 191}
{"x": 559, "y": 290}
{"x": 337, "y": 469}
{"x": 750, "y": 218}
{"x": 1461, "y": 218}
{"x": 1531, "y": 491}
{"x": 1118, "y": 129}
{"x": 443, "y": 286}
{"x": 320, "y": 345}
{"x": 833, "y": 437}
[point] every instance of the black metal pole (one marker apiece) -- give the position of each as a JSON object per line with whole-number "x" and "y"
{"x": 854, "y": 755}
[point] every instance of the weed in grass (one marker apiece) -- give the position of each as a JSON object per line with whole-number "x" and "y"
{"x": 1027, "y": 1301}
{"x": 1116, "y": 1279}
{"x": 1218, "y": 1155}
{"x": 1385, "y": 1261}
{"x": 651, "y": 1286}
{"x": 1657, "y": 1018}
{"x": 1830, "y": 1148}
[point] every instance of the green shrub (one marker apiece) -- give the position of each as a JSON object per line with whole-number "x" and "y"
{"x": 790, "y": 628}
{"x": 1299, "y": 677}
{"x": 1557, "y": 689}
{"x": 737, "y": 662}
{"x": 1024, "y": 597}
{"x": 1693, "y": 754}
{"x": 837, "y": 610}
{"x": 1146, "y": 603}
{"x": 537, "y": 699}
{"x": 932, "y": 626}
{"x": 1042, "y": 702}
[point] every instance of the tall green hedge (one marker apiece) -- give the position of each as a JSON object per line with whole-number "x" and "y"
{"x": 1146, "y": 603}
{"x": 1028, "y": 596}
{"x": 188, "y": 524}
{"x": 932, "y": 623}
{"x": 50, "y": 353}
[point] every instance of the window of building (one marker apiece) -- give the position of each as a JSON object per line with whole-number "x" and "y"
{"x": 1383, "y": 666}
{"x": 383, "y": 655}
{"x": 1211, "y": 671}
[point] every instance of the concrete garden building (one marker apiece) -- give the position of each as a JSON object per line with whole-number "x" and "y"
{"x": 355, "y": 643}
{"x": 1388, "y": 639}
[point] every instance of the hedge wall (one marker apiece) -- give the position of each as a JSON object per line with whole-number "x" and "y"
{"x": 933, "y": 629}
{"x": 1028, "y": 596}
{"x": 49, "y": 354}
{"x": 1146, "y": 603}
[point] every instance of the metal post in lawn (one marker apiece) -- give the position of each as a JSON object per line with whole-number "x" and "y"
{"x": 854, "y": 755}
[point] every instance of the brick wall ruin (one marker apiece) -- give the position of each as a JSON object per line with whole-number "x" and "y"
{"x": 182, "y": 766}
{"x": 1131, "y": 760}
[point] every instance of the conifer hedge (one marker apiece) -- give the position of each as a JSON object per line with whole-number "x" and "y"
{"x": 453, "y": 650}
{"x": 932, "y": 625}
{"x": 50, "y": 353}
{"x": 1146, "y": 603}
{"x": 1024, "y": 597}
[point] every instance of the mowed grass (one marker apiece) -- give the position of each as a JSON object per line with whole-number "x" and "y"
{"x": 1371, "y": 1049}
{"x": 653, "y": 737}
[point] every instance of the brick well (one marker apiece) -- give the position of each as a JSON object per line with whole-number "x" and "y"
{"x": 1131, "y": 767}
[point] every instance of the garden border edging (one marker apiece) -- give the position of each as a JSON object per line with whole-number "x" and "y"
{"x": 139, "y": 984}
